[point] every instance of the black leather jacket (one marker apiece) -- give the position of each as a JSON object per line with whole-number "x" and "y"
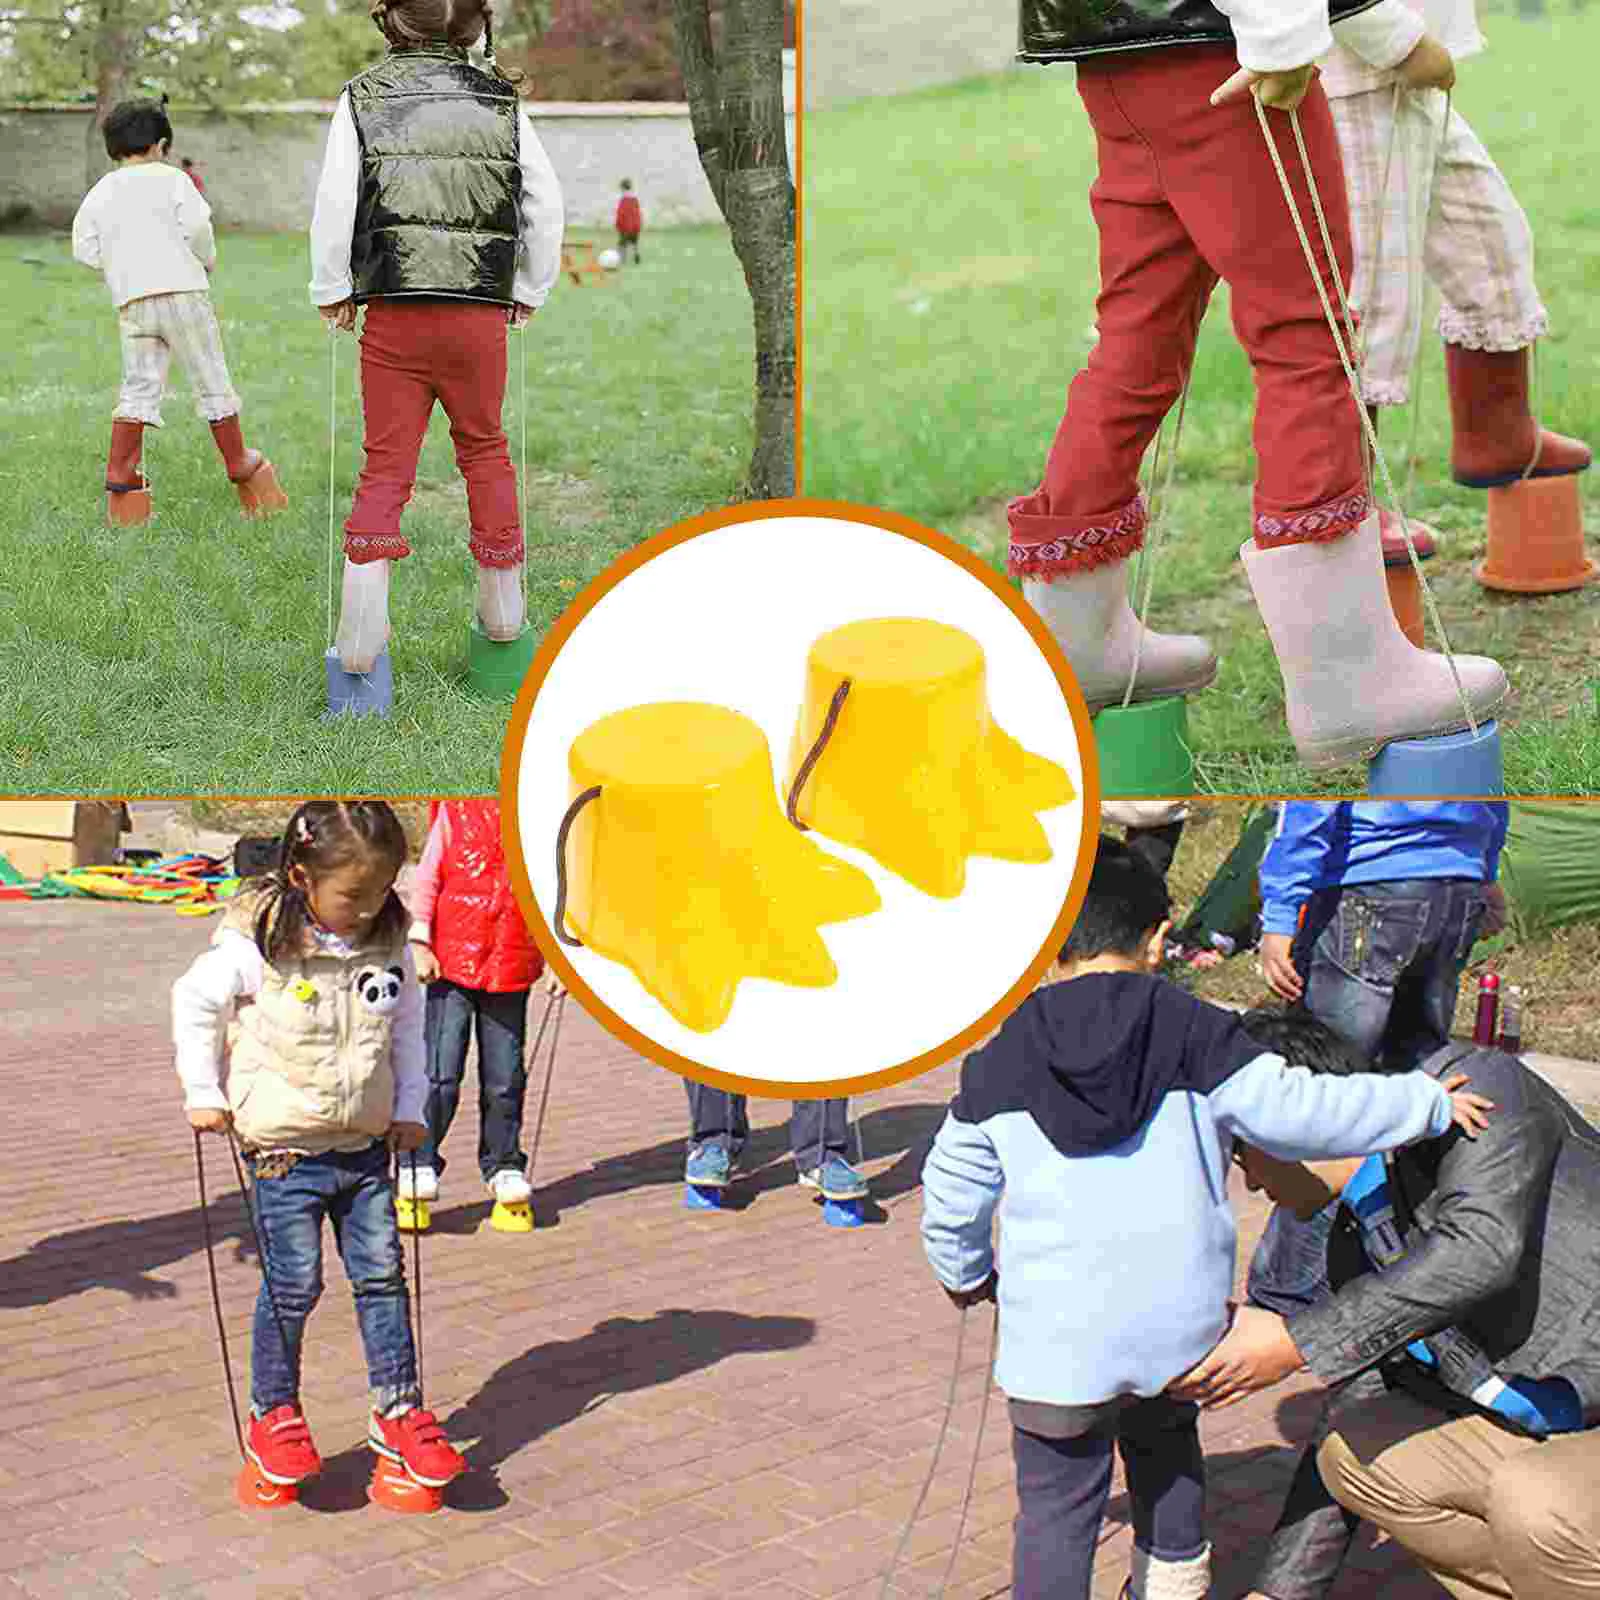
{"x": 441, "y": 178}
{"x": 1065, "y": 30}
{"x": 1502, "y": 1241}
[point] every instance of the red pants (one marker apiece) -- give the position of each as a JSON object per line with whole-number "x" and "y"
{"x": 1186, "y": 195}
{"x": 414, "y": 352}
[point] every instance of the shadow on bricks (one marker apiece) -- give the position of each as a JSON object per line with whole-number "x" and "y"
{"x": 120, "y": 1255}
{"x": 553, "y": 1384}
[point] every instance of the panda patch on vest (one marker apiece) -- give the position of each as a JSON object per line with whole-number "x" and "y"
{"x": 378, "y": 989}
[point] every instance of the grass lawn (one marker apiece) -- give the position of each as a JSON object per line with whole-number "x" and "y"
{"x": 1554, "y": 970}
{"x": 186, "y": 657}
{"x": 950, "y": 277}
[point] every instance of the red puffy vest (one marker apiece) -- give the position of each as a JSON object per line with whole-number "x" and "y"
{"x": 479, "y": 934}
{"x": 630, "y": 216}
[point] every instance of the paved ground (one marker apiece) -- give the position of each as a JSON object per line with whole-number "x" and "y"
{"x": 654, "y": 1403}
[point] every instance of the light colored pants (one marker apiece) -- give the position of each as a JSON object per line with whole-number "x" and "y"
{"x": 1448, "y": 216}
{"x": 1485, "y": 1511}
{"x": 155, "y": 328}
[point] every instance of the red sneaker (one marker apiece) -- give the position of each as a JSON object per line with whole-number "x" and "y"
{"x": 418, "y": 1443}
{"x": 280, "y": 1445}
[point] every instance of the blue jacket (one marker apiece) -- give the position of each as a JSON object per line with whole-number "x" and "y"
{"x": 1104, "y": 1112}
{"x": 1326, "y": 845}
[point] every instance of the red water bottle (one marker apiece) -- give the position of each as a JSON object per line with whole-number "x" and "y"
{"x": 1483, "y": 1029}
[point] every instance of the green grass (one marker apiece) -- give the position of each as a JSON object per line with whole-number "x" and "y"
{"x": 186, "y": 657}
{"x": 950, "y": 278}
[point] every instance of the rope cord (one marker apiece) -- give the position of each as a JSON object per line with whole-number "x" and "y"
{"x": 216, "y": 1295}
{"x": 414, "y": 1302}
{"x": 1355, "y": 390}
{"x": 333, "y": 392}
{"x": 829, "y": 723}
{"x": 261, "y": 1248}
{"x": 557, "y": 1004}
{"x": 561, "y": 865}
{"x": 977, "y": 1450}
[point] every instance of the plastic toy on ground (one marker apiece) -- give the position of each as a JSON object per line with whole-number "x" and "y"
{"x": 897, "y": 753}
{"x": 256, "y": 1492}
{"x": 496, "y": 668}
{"x": 509, "y": 1216}
{"x": 128, "y": 508}
{"x": 355, "y": 694}
{"x": 1465, "y": 764}
{"x": 393, "y": 1488}
{"x": 844, "y": 1213}
{"x": 1144, "y": 749}
{"x": 703, "y": 1196}
{"x": 412, "y": 1216}
{"x": 1536, "y": 538}
{"x": 681, "y": 867}
{"x": 260, "y": 495}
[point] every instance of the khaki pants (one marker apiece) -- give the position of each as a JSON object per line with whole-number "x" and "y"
{"x": 1486, "y": 1511}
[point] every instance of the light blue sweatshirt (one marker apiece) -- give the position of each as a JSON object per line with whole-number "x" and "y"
{"x": 1324, "y": 844}
{"x": 1116, "y": 1266}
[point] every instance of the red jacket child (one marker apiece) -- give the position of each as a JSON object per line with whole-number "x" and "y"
{"x": 630, "y": 216}
{"x": 462, "y": 904}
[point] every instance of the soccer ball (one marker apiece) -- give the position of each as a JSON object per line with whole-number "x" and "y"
{"x": 611, "y": 259}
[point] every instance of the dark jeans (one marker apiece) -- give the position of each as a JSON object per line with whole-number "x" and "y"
{"x": 502, "y": 1027}
{"x": 1063, "y": 1485}
{"x": 817, "y": 1128}
{"x": 355, "y": 1194}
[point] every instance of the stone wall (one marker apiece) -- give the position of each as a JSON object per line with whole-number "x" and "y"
{"x": 862, "y": 47}
{"x": 260, "y": 165}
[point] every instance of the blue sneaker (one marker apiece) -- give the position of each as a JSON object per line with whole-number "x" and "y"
{"x": 837, "y": 1180}
{"x": 709, "y": 1167}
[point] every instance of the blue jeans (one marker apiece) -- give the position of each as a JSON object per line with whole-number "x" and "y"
{"x": 355, "y": 1194}
{"x": 1063, "y": 1485}
{"x": 817, "y": 1128}
{"x": 502, "y": 1025}
{"x": 1382, "y": 964}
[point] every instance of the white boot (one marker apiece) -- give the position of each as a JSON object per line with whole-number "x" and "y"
{"x": 363, "y": 615}
{"x": 501, "y": 608}
{"x": 425, "y": 1185}
{"x": 1154, "y": 1579}
{"x": 510, "y": 1187}
{"x": 1089, "y": 614}
{"x": 1352, "y": 681}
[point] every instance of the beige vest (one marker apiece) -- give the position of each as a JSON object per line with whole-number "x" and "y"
{"x": 310, "y": 1058}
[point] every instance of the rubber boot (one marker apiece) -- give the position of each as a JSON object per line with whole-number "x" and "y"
{"x": 1089, "y": 615}
{"x": 1352, "y": 680}
{"x": 251, "y": 474}
{"x": 363, "y": 615}
{"x": 1493, "y": 433}
{"x": 127, "y": 494}
{"x": 1424, "y": 537}
{"x": 1151, "y": 1577}
{"x": 501, "y": 607}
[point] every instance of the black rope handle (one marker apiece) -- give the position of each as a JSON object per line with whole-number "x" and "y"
{"x": 561, "y": 865}
{"x": 416, "y": 1272}
{"x": 829, "y": 722}
{"x": 261, "y": 1249}
{"x": 556, "y": 1005}
{"x": 216, "y": 1295}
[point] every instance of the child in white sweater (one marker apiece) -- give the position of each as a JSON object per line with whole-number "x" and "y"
{"x": 148, "y": 229}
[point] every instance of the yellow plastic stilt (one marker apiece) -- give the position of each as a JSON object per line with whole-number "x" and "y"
{"x": 411, "y": 1216}
{"x": 684, "y": 868}
{"x": 916, "y": 772}
{"x": 512, "y": 1216}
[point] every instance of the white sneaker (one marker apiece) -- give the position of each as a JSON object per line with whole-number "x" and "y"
{"x": 510, "y": 1188}
{"x": 426, "y": 1187}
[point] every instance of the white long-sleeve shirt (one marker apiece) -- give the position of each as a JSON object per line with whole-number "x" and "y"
{"x": 1369, "y": 46}
{"x": 206, "y": 997}
{"x": 148, "y": 229}
{"x": 333, "y": 222}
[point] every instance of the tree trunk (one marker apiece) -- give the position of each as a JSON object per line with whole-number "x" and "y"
{"x": 113, "y": 46}
{"x": 736, "y": 107}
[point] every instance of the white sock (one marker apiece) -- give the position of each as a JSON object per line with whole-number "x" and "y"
{"x": 1152, "y": 1578}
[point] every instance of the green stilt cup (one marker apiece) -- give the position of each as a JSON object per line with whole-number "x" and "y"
{"x": 1144, "y": 750}
{"x": 494, "y": 670}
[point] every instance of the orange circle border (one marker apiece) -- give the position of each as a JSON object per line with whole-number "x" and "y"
{"x": 517, "y": 731}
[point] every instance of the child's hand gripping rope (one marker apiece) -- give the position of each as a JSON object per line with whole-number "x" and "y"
{"x": 1282, "y": 91}
{"x": 342, "y": 315}
{"x": 210, "y": 1120}
{"x": 406, "y": 1136}
{"x": 1429, "y": 66}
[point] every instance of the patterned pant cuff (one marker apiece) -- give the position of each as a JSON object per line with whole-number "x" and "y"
{"x": 1478, "y": 333}
{"x": 499, "y": 550}
{"x": 364, "y": 547}
{"x": 1045, "y": 546}
{"x": 1333, "y": 519}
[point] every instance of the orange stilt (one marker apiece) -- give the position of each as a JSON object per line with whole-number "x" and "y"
{"x": 261, "y": 494}
{"x": 1536, "y": 538}
{"x": 256, "y": 1492}
{"x": 1405, "y": 599}
{"x": 394, "y": 1489}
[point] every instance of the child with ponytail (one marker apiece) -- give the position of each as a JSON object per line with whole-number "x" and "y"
{"x": 439, "y": 212}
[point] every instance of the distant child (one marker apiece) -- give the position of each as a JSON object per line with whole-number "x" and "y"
{"x": 148, "y": 229}
{"x": 1448, "y": 215}
{"x": 630, "y": 221}
{"x": 1187, "y": 193}
{"x": 439, "y": 211}
{"x": 300, "y": 1029}
{"x": 193, "y": 173}
{"x": 472, "y": 949}
{"x": 1104, "y": 1111}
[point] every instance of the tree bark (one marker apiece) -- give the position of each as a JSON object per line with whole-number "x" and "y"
{"x": 113, "y": 45}
{"x": 736, "y": 108}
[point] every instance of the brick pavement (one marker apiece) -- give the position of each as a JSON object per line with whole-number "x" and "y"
{"x": 654, "y": 1402}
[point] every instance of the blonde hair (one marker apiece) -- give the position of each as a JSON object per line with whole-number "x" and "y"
{"x": 411, "y": 22}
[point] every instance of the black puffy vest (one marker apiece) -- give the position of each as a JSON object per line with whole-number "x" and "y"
{"x": 1064, "y": 30}
{"x": 441, "y": 182}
